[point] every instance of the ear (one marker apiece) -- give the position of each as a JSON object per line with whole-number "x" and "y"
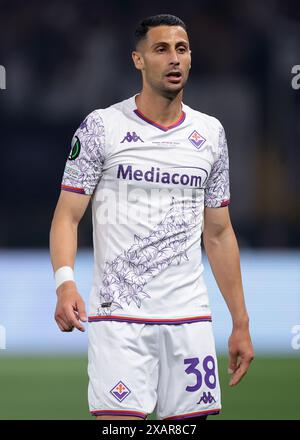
{"x": 138, "y": 60}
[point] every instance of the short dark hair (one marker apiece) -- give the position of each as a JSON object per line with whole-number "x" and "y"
{"x": 153, "y": 21}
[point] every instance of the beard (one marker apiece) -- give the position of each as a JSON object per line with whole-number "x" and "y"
{"x": 166, "y": 90}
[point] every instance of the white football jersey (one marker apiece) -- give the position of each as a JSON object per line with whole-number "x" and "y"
{"x": 149, "y": 185}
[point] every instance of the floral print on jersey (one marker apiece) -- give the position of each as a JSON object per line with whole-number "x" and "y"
{"x": 126, "y": 276}
{"x": 85, "y": 171}
{"x": 217, "y": 192}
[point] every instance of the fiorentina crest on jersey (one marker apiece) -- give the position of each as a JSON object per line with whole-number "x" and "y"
{"x": 120, "y": 391}
{"x": 196, "y": 139}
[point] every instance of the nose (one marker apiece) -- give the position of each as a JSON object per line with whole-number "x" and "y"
{"x": 174, "y": 60}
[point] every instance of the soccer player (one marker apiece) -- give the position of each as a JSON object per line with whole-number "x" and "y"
{"x": 157, "y": 173}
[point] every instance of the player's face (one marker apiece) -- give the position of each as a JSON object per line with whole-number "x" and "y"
{"x": 164, "y": 58}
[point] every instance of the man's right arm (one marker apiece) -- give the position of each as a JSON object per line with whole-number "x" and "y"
{"x": 70, "y": 309}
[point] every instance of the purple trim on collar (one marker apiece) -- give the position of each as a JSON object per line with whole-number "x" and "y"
{"x": 161, "y": 127}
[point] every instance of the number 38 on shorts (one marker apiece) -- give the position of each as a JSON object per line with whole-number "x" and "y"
{"x": 206, "y": 377}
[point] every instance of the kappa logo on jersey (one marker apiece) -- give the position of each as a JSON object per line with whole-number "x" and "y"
{"x": 196, "y": 139}
{"x": 131, "y": 137}
{"x": 207, "y": 398}
{"x": 120, "y": 391}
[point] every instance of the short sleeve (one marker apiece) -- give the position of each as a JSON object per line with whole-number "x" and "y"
{"x": 217, "y": 192}
{"x": 84, "y": 165}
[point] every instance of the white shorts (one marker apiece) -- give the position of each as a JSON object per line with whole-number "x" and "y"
{"x": 135, "y": 369}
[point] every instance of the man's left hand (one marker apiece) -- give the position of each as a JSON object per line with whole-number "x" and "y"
{"x": 241, "y": 354}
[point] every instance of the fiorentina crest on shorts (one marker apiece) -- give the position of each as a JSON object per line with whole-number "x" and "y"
{"x": 120, "y": 391}
{"x": 196, "y": 139}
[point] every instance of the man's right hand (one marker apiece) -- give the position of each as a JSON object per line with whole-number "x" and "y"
{"x": 70, "y": 308}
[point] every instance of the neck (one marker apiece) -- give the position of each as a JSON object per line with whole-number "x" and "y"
{"x": 163, "y": 110}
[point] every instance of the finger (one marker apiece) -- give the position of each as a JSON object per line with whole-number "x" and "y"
{"x": 75, "y": 323}
{"x": 60, "y": 317}
{"x": 72, "y": 320}
{"x": 60, "y": 326}
{"x": 80, "y": 308}
{"x": 70, "y": 329}
{"x": 64, "y": 327}
{"x": 233, "y": 362}
{"x": 64, "y": 322}
{"x": 239, "y": 373}
{"x": 60, "y": 321}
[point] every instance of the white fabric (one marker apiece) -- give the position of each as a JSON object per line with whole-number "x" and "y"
{"x": 149, "y": 186}
{"x": 135, "y": 369}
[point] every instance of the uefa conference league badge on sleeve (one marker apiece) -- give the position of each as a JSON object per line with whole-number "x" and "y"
{"x": 75, "y": 151}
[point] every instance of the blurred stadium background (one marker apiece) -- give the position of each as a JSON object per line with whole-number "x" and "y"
{"x": 64, "y": 59}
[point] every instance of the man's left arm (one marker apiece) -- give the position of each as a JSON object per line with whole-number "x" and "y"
{"x": 223, "y": 254}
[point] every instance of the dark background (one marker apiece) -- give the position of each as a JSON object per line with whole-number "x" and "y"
{"x": 64, "y": 59}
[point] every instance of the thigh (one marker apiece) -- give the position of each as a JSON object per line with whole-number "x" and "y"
{"x": 188, "y": 372}
{"x": 122, "y": 369}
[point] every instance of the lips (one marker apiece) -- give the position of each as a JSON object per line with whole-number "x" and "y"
{"x": 174, "y": 76}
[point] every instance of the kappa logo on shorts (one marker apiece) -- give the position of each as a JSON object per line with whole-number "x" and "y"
{"x": 120, "y": 391}
{"x": 196, "y": 139}
{"x": 207, "y": 398}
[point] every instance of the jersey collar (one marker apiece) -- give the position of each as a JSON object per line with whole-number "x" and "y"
{"x": 155, "y": 124}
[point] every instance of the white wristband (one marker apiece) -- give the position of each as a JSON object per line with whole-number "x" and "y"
{"x": 64, "y": 273}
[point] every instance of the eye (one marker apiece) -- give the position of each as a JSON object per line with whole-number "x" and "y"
{"x": 160, "y": 49}
{"x": 181, "y": 49}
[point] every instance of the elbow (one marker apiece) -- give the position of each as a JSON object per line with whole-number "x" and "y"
{"x": 210, "y": 241}
{"x": 61, "y": 220}
{"x": 217, "y": 235}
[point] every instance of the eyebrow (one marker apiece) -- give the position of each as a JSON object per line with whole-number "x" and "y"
{"x": 165, "y": 43}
